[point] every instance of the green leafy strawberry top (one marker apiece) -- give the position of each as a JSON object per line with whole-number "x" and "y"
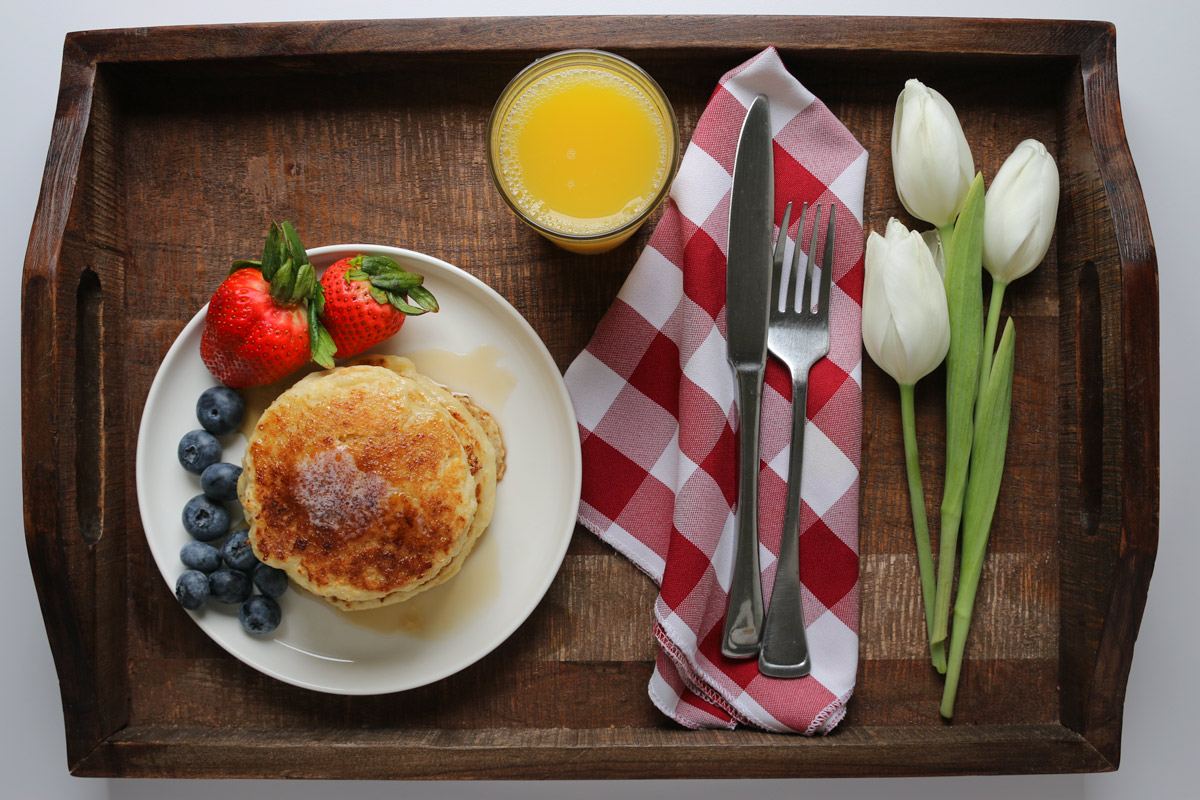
{"x": 293, "y": 281}
{"x": 390, "y": 284}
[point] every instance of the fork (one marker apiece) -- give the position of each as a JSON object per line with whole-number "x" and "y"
{"x": 799, "y": 337}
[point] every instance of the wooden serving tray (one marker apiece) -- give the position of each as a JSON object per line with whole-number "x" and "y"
{"x": 173, "y": 148}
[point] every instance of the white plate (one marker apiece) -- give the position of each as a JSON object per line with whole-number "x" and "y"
{"x": 476, "y": 344}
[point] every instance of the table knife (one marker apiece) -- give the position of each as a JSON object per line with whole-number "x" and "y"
{"x": 747, "y": 310}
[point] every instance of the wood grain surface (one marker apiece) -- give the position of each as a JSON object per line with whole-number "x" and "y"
{"x": 173, "y": 148}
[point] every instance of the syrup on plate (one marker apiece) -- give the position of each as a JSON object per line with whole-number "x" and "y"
{"x": 477, "y": 373}
{"x": 444, "y": 608}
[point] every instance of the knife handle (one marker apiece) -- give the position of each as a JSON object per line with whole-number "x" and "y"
{"x": 744, "y": 619}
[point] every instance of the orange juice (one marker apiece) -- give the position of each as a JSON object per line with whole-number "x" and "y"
{"x": 582, "y": 147}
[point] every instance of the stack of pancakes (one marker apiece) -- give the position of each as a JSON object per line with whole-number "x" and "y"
{"x": 370, "y": 483}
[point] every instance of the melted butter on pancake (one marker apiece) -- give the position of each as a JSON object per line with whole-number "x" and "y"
{"x": 337, "y": 494}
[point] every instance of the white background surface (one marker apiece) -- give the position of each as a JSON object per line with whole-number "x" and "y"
{"x": 1156, "y": 63}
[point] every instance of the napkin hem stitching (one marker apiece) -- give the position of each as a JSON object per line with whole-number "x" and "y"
{"x": 696, "y": 681}
{"x": 747, "y": 715}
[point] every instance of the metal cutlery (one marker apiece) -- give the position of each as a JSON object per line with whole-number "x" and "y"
{"x": 799, "y": 337}
{"x": 748, "y": 282}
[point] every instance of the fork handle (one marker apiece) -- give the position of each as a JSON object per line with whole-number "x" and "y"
{"x": 784, "y": 651}
{"x": 743, "y": 620}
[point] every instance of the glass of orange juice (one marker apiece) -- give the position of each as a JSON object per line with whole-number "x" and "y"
{"x": 582, "y": 145}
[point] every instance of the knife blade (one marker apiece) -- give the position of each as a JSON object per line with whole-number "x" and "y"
{"x": 747, "y": 315}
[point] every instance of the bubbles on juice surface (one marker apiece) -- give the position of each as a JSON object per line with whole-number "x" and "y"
{"x": 512, "y": 171}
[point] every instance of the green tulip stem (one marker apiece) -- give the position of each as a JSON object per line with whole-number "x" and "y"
{"x": 989, "y": 336}
{"x": 964, "y": 301}
{"x": 983, "y": 488}
{"x": 937, "y": 650}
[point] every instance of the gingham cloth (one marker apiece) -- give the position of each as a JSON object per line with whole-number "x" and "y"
{"x": 655, "y": 400}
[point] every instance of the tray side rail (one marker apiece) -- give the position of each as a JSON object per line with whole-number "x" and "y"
{"x": 302, "y": 41}
{"x": 72, "y": 439}
{"x": 1135, "y": 389}
{"x": 577, "y": 754}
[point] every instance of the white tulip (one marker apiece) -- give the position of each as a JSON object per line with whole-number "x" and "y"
{"x": 905, "y": 322}
{"x": 1019, "y": 212}
{"x": 933, "y": 240}
{"x": 931, "y": 160}
{"x": 906, "y": 330}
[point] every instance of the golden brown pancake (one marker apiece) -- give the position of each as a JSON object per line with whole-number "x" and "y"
{"x": 479, "y": 441}
{"x": 358, "y": 485}
{"x": 491, "y": 428}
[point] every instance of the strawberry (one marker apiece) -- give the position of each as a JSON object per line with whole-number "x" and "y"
{"x": 263, "y": 322}
{"x": 365, "y": 301}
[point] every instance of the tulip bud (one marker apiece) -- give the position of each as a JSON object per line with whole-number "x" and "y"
{"x": 931, "y": 160}
{"x": 933, "y": 240}
{"x": 905, "y": 321}
{"x": 1019, "y": 212}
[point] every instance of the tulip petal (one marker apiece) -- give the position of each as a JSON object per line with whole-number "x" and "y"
{"x": 933, "y": 240}
{"x": 917, "y": 301}
{"x": 875, "y": 314}
{"x": 895, "y": 231}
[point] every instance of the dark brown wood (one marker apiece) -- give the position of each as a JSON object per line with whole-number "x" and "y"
{"x": 173, "y": 147}
{"x": 582, "y": 753}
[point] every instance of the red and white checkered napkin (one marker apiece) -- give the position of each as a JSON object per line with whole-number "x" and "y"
{"x": 655, "y": 399}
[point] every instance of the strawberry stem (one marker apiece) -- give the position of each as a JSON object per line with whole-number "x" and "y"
{"x": 293, "y": 244}
{"x": 273, "y": 253}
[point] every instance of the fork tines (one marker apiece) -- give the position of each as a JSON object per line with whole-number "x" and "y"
{"x": 785, "y": 299}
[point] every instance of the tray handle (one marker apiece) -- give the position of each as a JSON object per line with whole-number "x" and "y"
{"x": 89, "y": 393}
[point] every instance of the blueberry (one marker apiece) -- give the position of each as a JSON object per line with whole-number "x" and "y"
{"x": 219, "y": 481}
{"x": 201, "y": 556}
{"x": 260, "y": 615}
{"x": 192, "y": 589}
{"x": 198, "y": 450}
{"x": 230, "y": 585}
{"x": 270, "y": 581}
{"x": 237, "y": 552}
{"x": 220, "y": 410}
{"x": 205, "y": 519}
